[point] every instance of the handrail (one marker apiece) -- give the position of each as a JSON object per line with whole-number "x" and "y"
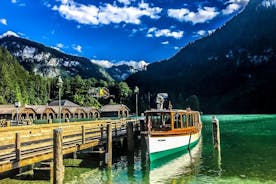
{"x": 25, "y": 145}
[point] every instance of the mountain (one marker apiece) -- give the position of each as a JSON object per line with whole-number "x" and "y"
{"x": 49, "y": 62}
{"x": 232, "y": 70}
{"x": 121, "y": 70}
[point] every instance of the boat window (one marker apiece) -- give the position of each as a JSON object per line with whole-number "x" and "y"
{"x": 160, "y": 121}
{"x": 190, "y": 120}
{"x": 196, "y": 119}
{"x": 177, "y": 123}
{"x": 184, "y": 124}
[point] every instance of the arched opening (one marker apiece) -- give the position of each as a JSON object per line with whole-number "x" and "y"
{"x": 51, "y": 116}
{"x": 31, "y": 116}
{"x": 96, "y": 115}
{"x": 44, "y": 116}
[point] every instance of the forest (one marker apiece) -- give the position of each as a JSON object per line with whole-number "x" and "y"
{"x": 17, "y": 84}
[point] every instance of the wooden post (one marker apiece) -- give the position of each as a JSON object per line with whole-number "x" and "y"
{"x": 116, "y": 133}
{"x": 102, "y": 130}
{"x": 18, "y": 152}
{"x": 83, "y": 134}
{"x": 75, "y": 156}
{"x": 130, "y": 141}
{"x": 121, "y": 142}
{"x": 17, "y": 147}
{"x": 8, "y": 123}
{"x": 216, "y": 133}
{"x": 109, "y": 145}
{"x": 58, "y": 157}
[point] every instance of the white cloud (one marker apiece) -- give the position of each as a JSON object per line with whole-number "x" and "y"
{"x": 106, "y": 14}
{"x": 154, "y": 32}
{"x": 138, "y": 65}
{"x": 54, "y": 47}
{"x": 178, "y": 13}
{"x": 176, "y": 48}
{"x": 165, "y": 43}
{"x": 211, "y": 31}
{"x": 77, "y": 48}
{"x": 230, "y": 9}
{"x": 201, "y": 32}
{"x": 103, "y": 63}
{"x": 47, "y": 4}
{"x": 202, "y": 15}
{"x": 234, "y": 5}
{"x": 125, "y": 2}
{"x": 4, "y": 21}
{"x": 13, "y": 1}
{"x": 59, "y": 45}
{"x": 78, "y": 26}
{"x": 9, "y": 33}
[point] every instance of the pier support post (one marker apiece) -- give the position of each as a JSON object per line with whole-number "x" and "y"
{"x": 130, "y": 141}
{"x": 109, "y": 146}
{"x": 18, "y": 151}
{"x": 75, "y": 155}
{"x": 83, "y": 134}
{"x": 216, "y": 133}
{"x": 58, "y": 157}
{"x": 102, "y": 131}
{"x": 17, "y": 147}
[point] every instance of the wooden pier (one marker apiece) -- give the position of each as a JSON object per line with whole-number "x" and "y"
{"x": 27, "y": 145}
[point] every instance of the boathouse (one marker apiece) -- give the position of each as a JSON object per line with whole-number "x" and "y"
{"x": 115, "y": 110}
{"x": 50, "y": 111}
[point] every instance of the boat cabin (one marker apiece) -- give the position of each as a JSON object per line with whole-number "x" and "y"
{"x": 171, "y": 120}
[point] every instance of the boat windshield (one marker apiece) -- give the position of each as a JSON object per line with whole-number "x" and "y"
{"x": 159, "y": 121}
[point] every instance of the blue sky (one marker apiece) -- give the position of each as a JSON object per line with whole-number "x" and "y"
{"x": 116, "y": 30}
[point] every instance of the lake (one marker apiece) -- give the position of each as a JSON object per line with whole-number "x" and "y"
{"x": 248, "y": 155}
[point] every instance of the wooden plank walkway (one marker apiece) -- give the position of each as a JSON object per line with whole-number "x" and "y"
{"x": 26, "y": 145}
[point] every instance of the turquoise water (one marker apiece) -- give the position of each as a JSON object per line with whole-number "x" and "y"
{"x": 248, "y": 155}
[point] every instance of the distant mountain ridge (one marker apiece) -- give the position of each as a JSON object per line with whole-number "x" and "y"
{"x": 230, "y": 71}
{"x": 50, "y": 62}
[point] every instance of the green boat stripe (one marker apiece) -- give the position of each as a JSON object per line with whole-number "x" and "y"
{"x": 160, "y": 154}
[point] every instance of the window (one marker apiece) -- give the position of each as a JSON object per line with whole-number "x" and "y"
{"x": 190, "y": 120}
{"x": 177, "y": 123}
{"x": 159, "y": 121}
{"x": 184, "y": 124}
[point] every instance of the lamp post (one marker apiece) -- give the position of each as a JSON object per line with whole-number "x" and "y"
{"x": 59, "y": 83}
{"x": 17, "y": 105}
{"x": 136, "y": 91}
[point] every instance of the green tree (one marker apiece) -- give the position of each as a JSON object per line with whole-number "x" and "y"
{"x": 193, "y": 102}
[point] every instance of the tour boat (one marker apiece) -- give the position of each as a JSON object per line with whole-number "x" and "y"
{"x": 171, "y": 130}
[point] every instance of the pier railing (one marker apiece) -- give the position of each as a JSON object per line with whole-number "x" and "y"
{"x": 26, "y": 145}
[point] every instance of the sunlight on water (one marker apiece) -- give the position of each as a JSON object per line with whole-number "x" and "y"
{"x": 248, "y": 150}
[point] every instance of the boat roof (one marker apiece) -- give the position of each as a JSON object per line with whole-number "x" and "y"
{"x": 170, "y": 110}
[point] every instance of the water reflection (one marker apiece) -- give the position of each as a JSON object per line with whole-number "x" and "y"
{"x": 164, "y": 170}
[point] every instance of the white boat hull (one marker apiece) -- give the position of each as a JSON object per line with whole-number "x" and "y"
{"x": 165, "y": 145}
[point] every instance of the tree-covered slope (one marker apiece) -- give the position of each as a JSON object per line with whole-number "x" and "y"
{"x": 16, "y": 84}
{"x": 231, "y": 71}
